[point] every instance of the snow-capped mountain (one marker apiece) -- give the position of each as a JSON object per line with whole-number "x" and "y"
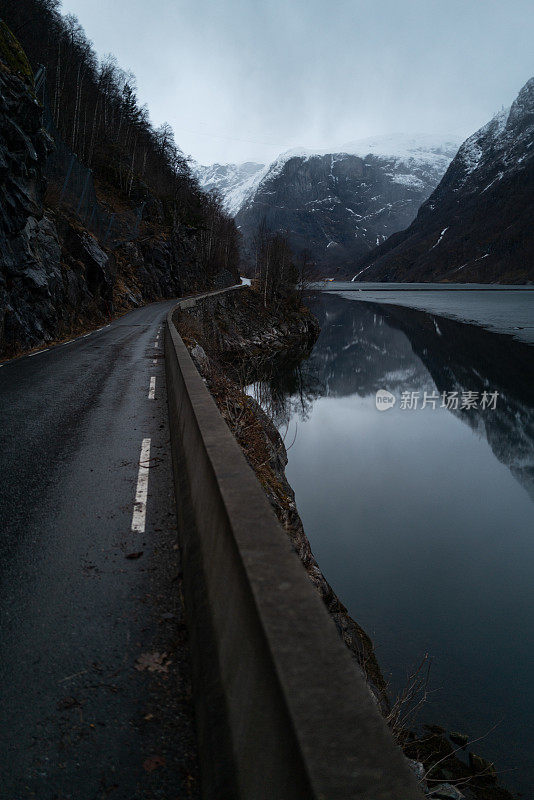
{"x": 338, "y": 203}
{"x": 234, "y": 181}
{"x": 478, "y": 225}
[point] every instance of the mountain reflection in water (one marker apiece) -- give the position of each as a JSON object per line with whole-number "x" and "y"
{"x": 422, "y": 520}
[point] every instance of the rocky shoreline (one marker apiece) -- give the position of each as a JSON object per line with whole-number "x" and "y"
{"x": 233, "y": 341}
{"x": 231, "y": 337}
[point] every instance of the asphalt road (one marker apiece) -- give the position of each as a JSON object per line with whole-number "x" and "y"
{"x": 95, "y": 698}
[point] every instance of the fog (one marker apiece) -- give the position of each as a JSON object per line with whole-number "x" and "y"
{"x": 247, "y": 80}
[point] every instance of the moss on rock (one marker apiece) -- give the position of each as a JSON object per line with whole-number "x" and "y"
{"x": 13, "y": 56}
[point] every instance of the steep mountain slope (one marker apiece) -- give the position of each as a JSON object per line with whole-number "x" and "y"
{"x": 338, "y": 204}
{"x": 478, "y": 225}
{"x": 234, "y": 181}
{"x": 57, "y": 276}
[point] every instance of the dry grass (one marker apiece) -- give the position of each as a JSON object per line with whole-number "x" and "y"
{"x": 244, "y": 418}
{"x": 265, "y": 452}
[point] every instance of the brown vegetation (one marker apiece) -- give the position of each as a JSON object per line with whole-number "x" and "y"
{"x": 91, "y": 105}
{"x": 210, "y": 340}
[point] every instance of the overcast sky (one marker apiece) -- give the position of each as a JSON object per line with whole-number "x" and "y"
{"x": 247, "y": 79}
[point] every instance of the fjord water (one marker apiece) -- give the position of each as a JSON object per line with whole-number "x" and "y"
{"x": 423, "y": 519}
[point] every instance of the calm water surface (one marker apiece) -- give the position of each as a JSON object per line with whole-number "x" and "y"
{"x": 423, "y": 520}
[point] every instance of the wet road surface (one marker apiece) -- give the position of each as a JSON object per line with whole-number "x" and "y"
{"x": 95, "y": 698}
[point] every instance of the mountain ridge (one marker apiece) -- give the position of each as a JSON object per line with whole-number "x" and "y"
{"x": 477, "y": 224}
{"x": 340, "y": 202}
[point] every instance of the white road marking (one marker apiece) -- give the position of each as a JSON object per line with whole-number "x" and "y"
{"x": 152, "y": 390}
{"x": 85, "y": 335}
{"x": 139, "y": 512}
{"x": 156, "y": 343}
{"x": 38, "y": 352}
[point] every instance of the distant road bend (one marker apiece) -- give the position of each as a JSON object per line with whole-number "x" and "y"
{"x": 91, "y": 706}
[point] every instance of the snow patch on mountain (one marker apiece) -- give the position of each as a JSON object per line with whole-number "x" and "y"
{"x": 472, "y": 150}
{"x": 406, "y": 180}
{"x": 239, "y": 182}
{"x": 480, "y": 214}
{"x": 422, "y": 149}
{"x": 442, "y": 234}
{"x": 235, "y": 181}
{"x": 507, "y": 133}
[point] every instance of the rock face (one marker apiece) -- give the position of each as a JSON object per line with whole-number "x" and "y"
{"x": 55, "y": 278}
{"x": 477, "y": 226}
{"x": 339, "y": 204}
{"x": 233, "y": 181}
{"x": 29, "y": 248}
{"x": 242, "y": 329}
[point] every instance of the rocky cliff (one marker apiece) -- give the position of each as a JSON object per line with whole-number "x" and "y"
{"x": 55, "y": 276}
{"x": 338, "y": 205}
{"x": 477, "y": 226}
{"x": 233, "y": 181}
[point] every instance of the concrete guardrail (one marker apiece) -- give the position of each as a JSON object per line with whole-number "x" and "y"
{"x": 282, "y": 711}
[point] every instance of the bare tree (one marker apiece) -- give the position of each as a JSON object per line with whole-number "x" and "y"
{"x": 96, "y": 111}
{"x": 275, "y": 271}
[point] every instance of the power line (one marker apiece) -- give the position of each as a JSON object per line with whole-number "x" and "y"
{"x": 234, "y": 138}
